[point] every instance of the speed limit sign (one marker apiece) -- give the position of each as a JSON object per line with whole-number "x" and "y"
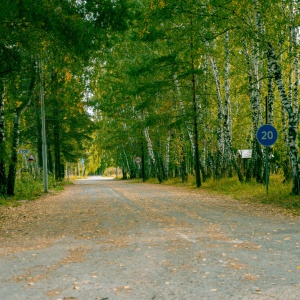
{"x": 267, "y": 135}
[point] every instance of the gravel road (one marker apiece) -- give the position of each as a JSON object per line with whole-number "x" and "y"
{"x": 107, "y": 239}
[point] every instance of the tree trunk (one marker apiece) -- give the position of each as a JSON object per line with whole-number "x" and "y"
{"x": 56, "y": 139}
{"x": 227, "y": 115}
{"x": 167, "y": 156}
{"x": 126, "y": 160}
{"x": 195, "y": 110}
{"x": 50, "y": 160}
{"x": 124, "y": 176}
{"x": 184, "y": 117}
{"x": 197, "y": 156}
{"x": 270, "y": 97}
{"x": 190, "y": 133}
{"x": 257, "y": 159}
{"x": 183, "y": 165}
{"x": 11, "y": 178}
{"x": 143, "y": 162}
{"x": 2, "y": 141}
{"x": 220, "y": 134}
{"x": 225, "y": 155}
{"x": 160, "y": 161}
{"x": 38, "y": 132}
{"x": 293, "y": 119}
{"x": 151, "y": 154}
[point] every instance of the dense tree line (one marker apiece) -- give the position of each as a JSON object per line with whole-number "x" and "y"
{"x": 189, "y": 84}
{"x": 183, "y": 85}
{"x": 55, "y": 39}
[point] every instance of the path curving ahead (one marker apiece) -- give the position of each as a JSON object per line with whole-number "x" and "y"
{"x": 107, "y": 239}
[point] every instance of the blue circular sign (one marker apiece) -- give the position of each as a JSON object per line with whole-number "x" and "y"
{"x": 267, "y": 135}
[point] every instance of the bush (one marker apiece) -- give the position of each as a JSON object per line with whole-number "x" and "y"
{"x": 110, "y": 172}
{"x": 29, "y": 188}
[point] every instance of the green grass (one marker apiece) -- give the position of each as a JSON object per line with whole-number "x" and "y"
{"x": 29, "y": 188}
{"x": 279, "y": 193}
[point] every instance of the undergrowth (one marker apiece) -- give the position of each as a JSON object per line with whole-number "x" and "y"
{"x": 29, "y": 188}
{"x": 279, "y": 193}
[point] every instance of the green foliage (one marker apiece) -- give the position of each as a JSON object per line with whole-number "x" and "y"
{"x": 29, "y": 188}
{"x": 145, "y": 81}
{"x": 64, "y": 34}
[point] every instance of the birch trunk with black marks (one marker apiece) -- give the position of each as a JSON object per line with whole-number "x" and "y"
{"x": 257, "y": 157}
{"x": 2, "y": 140}
{"x": 151, "y": 153}
{"x": 286, "y": 165}
{"x": 227, "y": 115}
{"x": 167, "y": 155}
{"x": 220, "y": 134}
{"x": 184, "y": 116}
{"x": 270, "y": 97}
{"x": 296, "y": 85}
{"x": 289, "y": 100}
{"x": 225, "y": 150}
{"x": 293, "y": 49}
{"x": 196, "y": 136}
{"x": 293, "y": 119}
{"x": 194, "y": 101}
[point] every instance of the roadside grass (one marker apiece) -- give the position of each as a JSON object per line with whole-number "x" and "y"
{"x": 279, "y": 193}
{"x": 29, "y": 188}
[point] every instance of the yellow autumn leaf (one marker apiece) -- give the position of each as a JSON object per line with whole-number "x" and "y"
{"x": 161, "y": 4}
{"x": 68, "y": 76}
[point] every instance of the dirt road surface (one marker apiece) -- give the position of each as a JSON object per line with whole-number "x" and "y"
{"x": 106, "y": 239}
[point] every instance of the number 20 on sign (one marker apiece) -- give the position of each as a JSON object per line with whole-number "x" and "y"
{"x": 267, "y": 135}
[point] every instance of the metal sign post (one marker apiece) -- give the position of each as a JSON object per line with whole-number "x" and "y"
{"x": 138, "y": 161}
{"x": 267, "y": 136}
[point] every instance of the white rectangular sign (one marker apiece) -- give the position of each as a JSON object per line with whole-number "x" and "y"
{"x": 24, "y": 151}
{"x": 245, "y": 153}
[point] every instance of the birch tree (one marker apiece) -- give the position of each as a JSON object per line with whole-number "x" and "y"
{"x": 19, "y": 111}
{"x": 287, "y": 103}
{"x": 2, "y": 140}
